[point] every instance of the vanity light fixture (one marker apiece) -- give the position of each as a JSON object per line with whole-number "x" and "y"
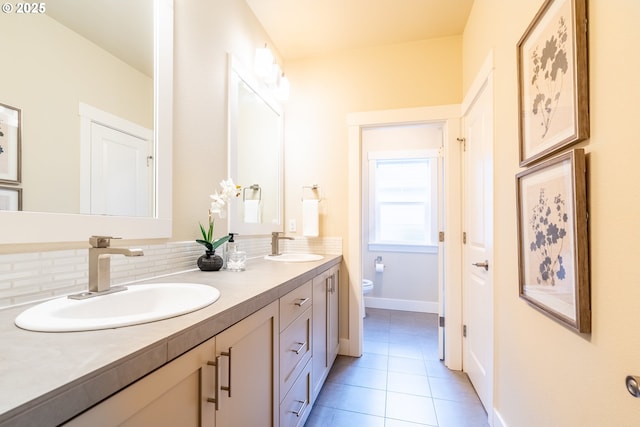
{"x": 272, "y": 78}
{"x": 282, "y": 93}
{"x": 263, "y": 62}
{"x": 269, "y": 72}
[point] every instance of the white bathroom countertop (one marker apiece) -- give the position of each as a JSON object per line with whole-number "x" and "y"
{"x": 48, "y": 378}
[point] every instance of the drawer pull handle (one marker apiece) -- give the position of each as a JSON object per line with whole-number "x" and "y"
{"x": 302, "y": 301}
{"x": 214, "y": 399}
{"x": 303, "y": 404}
{"x": 299, "y": 349}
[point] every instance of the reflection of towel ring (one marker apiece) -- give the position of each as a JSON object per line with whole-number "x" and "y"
{"x": 313, "y": 188}
{"x": 254, "y": 188}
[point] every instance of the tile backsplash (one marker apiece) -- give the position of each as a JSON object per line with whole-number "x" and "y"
{"x": 35, "y": 276}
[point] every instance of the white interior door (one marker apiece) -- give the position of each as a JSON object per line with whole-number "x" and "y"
{"x": 121, "y": 173}
{"x": 478, "y": 249}
{"x": 441, "y": 251}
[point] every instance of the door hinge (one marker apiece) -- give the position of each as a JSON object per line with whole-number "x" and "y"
{"x": 441, "y": 321}
{"x": 464, "y": 331}
{"x": 441, "y": 236}
{"x": 464, "y": 237}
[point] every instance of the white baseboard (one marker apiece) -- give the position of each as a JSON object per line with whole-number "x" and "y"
{"x": 497, "y": 419}
{"x": 401, "y": 304}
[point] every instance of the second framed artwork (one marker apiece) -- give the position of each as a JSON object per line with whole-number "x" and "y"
{"x": 10, "y": 198}
{"x": 553, "y": 241}
{"x": 553, "y": 81}
{"x": 10, "y": 149}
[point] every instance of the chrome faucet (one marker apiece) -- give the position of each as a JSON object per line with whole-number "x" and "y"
{"x": 100, "y": 266}
{"x": 276, "y": 236}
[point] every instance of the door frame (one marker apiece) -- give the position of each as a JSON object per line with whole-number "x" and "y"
{"x": 450, "y": 116}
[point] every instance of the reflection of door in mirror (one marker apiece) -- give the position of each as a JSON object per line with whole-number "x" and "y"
{"x": 120, "y": 173}
{"x": 117, "y": 176}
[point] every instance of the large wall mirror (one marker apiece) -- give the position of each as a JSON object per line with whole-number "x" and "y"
{"x": 95, "y": 96}
{"x": 255, "y": 154}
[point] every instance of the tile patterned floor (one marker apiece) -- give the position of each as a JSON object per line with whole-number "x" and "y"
{"x": 398, "y": 381}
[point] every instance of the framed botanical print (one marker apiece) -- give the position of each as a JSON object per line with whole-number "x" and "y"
{"x": 553, "y": 82}
{"x": 10, "y": 135}
{"x": 10, "y": 198}
{"x": 553, "y": 239}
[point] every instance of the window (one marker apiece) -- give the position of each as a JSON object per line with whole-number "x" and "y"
{"x": 403, "y": 200}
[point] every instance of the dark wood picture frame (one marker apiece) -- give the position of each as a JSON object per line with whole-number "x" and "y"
{"x": 10, "y": 198}
{"x": 553, "y": 239}
{"x": 553, "y": 86}
{"x": 10, "y": 144}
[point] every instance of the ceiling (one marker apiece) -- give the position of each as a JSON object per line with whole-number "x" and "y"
{"x": 304, "y": 28}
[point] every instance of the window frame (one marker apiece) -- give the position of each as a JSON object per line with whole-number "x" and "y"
{"x": 433, "y": 155}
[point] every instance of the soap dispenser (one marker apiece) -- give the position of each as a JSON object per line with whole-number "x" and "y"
{"x": 236, "y": 259}
{"x": 225, "y": 249}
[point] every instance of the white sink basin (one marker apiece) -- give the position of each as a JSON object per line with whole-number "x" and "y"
{"x": 294, "y": 257}
{"x": 138, "y": 304}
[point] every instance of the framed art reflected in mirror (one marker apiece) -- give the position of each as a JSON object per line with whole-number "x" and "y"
{"x": 10, "y": 140}
{"x": 10, "y": 198}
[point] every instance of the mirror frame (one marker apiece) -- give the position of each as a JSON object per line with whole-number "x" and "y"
{"x": 41, "y": 227}
{"x": 237, "y": 71}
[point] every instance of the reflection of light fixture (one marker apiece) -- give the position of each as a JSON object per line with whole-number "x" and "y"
{"x": 272, "y": 77}
{"x": 263, "y": 62}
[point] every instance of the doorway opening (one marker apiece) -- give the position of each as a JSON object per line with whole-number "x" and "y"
{"x": 446, "y": 120}
{"x": 400, "y": 222}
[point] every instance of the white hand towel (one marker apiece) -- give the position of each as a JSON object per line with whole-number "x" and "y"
{"x": 252, "y": 211}
{"x": 310, "y": 214}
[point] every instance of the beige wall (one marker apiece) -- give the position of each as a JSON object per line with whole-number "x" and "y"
{"x": 205, "y": 31}
{"x": 325, "y": 89}
{"x": 546, "y": 374}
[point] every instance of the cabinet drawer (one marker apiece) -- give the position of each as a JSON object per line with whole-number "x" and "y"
{"x": 294, "y": 304}
{"x": 296, "y": 406}
{"x": 295, "y": 350}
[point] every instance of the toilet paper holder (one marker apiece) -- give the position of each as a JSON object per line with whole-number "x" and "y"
{"x": 378, "y": 265}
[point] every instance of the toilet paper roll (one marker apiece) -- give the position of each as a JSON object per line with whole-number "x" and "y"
{"x": 379, "y": 267}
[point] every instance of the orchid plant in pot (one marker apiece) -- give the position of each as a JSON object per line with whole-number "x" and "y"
{"x": 210, "y": 261}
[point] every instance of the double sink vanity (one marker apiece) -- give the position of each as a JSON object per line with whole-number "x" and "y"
{"x": 257, "y": 356}
{"x": 228, "y": 349}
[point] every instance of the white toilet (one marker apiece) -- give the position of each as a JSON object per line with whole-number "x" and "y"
{"x": 367, "y": 287}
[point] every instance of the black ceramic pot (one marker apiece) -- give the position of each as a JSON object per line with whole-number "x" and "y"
{"x": 210, "y": 261}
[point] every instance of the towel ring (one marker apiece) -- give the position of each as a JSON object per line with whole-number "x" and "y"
{"x": 254, "y": 188}
{"x": 313, "y": 188}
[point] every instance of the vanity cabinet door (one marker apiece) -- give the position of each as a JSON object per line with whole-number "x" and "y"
{"x": 325, "y": 326}
{"x": 249, "y": 371}
{"x": 174, "y": 395}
